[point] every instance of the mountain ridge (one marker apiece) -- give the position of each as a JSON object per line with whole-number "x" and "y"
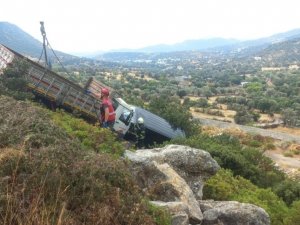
{"x": 14, "y": 37}
{"x": 17, "y": 39}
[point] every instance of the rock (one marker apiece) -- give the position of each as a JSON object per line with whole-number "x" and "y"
{"x": 178, "y": 210}
{"x": 193, "y": 165}
{"x": 232, "y": 213}
{"x": 174, "y": 188}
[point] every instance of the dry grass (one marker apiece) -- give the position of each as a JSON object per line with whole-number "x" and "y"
{"x": 294, "y": 131}
{"x": 232, "y": 131}
{"x": 207, "y": 116}
{"x": 212, "y": 100}
{"x": 136, "y": 76}
{"x": 47, "y": 178}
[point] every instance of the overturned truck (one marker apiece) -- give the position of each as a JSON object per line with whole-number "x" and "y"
{"x": 64, "y": 93}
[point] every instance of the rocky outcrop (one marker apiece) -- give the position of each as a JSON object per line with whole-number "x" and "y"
{"x": 232, "y": 213}
{"x": 174, "y": 188}
{"x": 173, "y": 177}
{"x": 193, "y": 165}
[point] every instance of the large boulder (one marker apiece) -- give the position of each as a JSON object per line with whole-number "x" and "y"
{"x": 193, "y": 165}
{"x": 232, "y": 213}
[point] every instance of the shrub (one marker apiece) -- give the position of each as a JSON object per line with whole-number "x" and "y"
{"x": 288, "y": 153}
{"x": 224, "y": 186}
{"x": 288, "y": 190}
{"x": 293, "y": 217}
{"x": 91, "y": 137}
{"x": 13, "y": 81}
{"x": 174, "y": 113}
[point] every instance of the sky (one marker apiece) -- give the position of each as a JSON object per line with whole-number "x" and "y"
{"x": 74, "y": 26}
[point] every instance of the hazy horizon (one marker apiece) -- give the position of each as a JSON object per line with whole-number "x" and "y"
{"x": 96, "y": 25}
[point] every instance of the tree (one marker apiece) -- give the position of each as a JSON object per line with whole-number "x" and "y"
{"x": 290, "y": 117}
{"x": 181, "y": 93}
{"x": 254, "y": 88}
{"x": 202, "y": 102}
{"x": 177, "y": 115}
{"x": 243, "y": 117}
{"x": 266, "y": 105}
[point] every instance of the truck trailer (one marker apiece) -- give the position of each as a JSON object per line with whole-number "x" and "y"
{"x": 66, "y": 94}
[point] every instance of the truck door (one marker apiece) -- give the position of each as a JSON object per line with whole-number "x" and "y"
{"x": 124, "y": 113}
{"x": 123, "y": 119}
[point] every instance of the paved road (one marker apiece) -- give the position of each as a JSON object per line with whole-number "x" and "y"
{"x": 267, "y": 133}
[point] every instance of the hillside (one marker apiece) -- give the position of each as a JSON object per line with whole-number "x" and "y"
{"x": 283, "y": 53}
{"x": 48, "y": 176}
{"x": 211, "y": 45}
{"x": 55, "y": 167}
{"x": 58, "y": 169}
{"x": 191, "y": 45}
{"x": 245, "y": 48}
{"x": 15, "y": 38}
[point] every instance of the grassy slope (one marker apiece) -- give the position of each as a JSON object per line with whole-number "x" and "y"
{"x": 49, "y": 176}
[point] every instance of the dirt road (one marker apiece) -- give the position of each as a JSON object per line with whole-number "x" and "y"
{"x": 288, "y": 164}
{"x": 264, "y": 132}
{"x": 284, "y": 162}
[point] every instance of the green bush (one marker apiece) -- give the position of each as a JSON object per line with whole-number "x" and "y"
{"x": 293, "y": 217}
{"x": 224, "y": 186}
{"x": 91, "y": 137}
{"x": 247, "y": 162}
{"x": 13, "y": 81}
{"x": 174, "y": 113}
{"x": 288, "y": 190}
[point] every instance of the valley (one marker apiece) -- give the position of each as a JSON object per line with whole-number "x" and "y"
{"x": 221, "y": 97}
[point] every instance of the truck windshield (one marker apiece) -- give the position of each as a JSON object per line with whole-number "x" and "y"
{"x": 126, "y": 116}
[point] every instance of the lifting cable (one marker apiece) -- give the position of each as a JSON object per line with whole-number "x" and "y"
{"x": 60, "y": 63}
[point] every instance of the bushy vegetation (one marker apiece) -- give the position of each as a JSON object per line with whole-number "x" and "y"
{"x": 224, "y": 186}
{"x": 230, "y": 153}
{"x": 172, "y": 111}
{"x": 13, "y": 82}
{"x": 50, "y": 176}
{"x": 91, "y": 137}
{"x": 248, "y": 176}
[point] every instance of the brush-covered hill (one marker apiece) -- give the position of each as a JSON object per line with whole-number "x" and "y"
{"x": 17, "y": 39}
{"x": 283, "y": 53}
{"x": 53, "y": 175}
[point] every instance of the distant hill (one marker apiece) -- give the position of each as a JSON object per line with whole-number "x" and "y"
{"x": 217, "y": 46}
{"x": 15, "y": 38}
{"x": 190, "y": 45}
{"x": 247, "y": 48}
{"x": 18, "y": 40}
{"x": 282, "y": 53}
